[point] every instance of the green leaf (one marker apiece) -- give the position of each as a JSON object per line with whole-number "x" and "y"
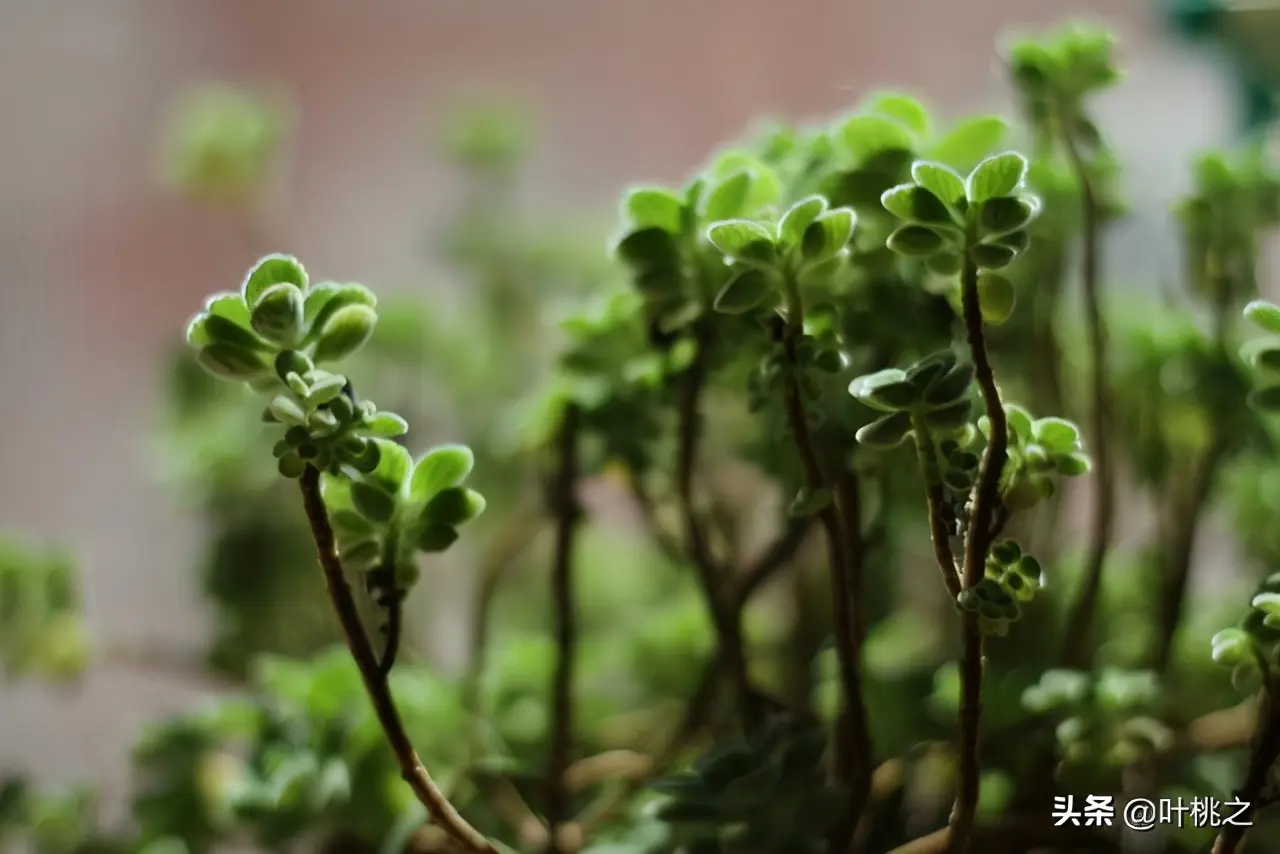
{"x": 228, "y": 304}
{"x": 728, "y": 199}
{"x": 271, "y": 270}
{"x": 808, "y": 502}
{"x": 863, "y": 136}
{"x": 394, "y": 465}
{"x": 1073, "y": 465}
{"x": 1018, "y": 241}
{"x": 746, "y": 291}
{"x": 277, "y": 316}
{"x": 865, "y": 388}
{"x": 944, "y": 263}
{"x": 345, "y": 332}
{"x": 914, "y": 203}
{"x": 904, "y": 109}
{"x": 1020, "y": 421}
{"x": 1057, "y": 435}
{"x": 1005, "y": 214}
{"x": 286, "y": 410}
{"x": 1232, "y": 647}
{"x": 996, "y": 298}
{"x": 915, "y": 241}
{"x": 436, "y": 538}
{"x": 333, "y": 297}
{"x": 386, "y": 424}
{"x": 991, "y": 256}
{"x": 828, "y": 234}
{"x": 373, "y": 503}
{"x": 324, "y": 390}
{"x": 291, "y": 465}
{"x": 349, "y": 523}
{"x": 216, "y": 329}
{"x": 1265, "y": 399}
{"x": 453, "y": 506}
{"x": 440, "y": 468}
{"x": 232, "y": 362}
{"x": 951, "y": 417}
{"x": 885, "y": 432}
{"x": 927, "y": 371}
{"x": 951, "y": 387}
{"x": 648, "y": 249}
{"x": 999, "y": 175}
{"x": 798, "y": 217}
{"x": 969, "y": 141}
{"x": 361, "y": 556}
{"x": 942, "y": 181}
{"x": 1264, "y": 314}
{"x": 1033, "y": 65}
{"x": 655, "y": 207}
{"x": 743, "y": 240}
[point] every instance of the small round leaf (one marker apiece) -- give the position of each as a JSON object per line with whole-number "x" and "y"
{"x": 746, "y": 291}
{"x": 373, "y": 503}
{"x": 271, "y": 270}
{"x": 996, "y": 298}
{"x": 440, "y": 468}
{"x": 885, "y": 432}
{"x": 1264, "y": 314}
{"x": 999, "y": 175}
{"x": 345, "y": 332}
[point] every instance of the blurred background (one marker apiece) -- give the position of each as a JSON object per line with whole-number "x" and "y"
{"x": 101, "y": 263}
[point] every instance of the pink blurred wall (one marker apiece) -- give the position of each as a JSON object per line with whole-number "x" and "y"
{"x": 99, "y": 269}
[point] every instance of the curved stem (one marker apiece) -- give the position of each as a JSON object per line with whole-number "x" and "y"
{"x": 565, "y": 506}
{"x": 935, "y": 499}
{"x": 419, "y": 779}
{"x": 1266, "y": 752}
{"x": 1076, "y": 649}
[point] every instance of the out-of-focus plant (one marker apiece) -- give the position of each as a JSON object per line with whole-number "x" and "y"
{"x": 835, "y": 363}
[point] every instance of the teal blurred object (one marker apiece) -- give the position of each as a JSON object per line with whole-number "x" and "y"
{"x": 1248, "y": 31}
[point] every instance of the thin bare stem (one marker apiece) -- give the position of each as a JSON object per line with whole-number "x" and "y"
{"x": 1077, "y": 645}
{"x": 564, "y": 504}
{"x": 726, "y": 622}
{"x": 419, "y": 779}
{"x": 977, "y": 542}
{"x": 853, "y": 769}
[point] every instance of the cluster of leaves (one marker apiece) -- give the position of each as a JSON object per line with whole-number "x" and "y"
{"x": 42, "y": 631}
{"x": 1038, "y": 449}
{"x": 1009, "y": 579}
{"x": 1106, "y": 720}
{"x": 383, "y": 516}
{"x": 1252, "y": 647}
{"x": 222, "y": 144}
{"x": 774, "y": 268}
{"x": 271, "y": 335}
{"x": 761, "y": 795}
{"x": 1233, "y": 198}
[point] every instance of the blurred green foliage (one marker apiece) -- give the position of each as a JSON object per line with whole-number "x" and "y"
{"x": 837, "y": 223}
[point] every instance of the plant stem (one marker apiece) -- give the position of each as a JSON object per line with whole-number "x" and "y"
{"x": 564, "y": 504}
{"x": 419, "y": 779}
{"x": 977, "y": 542}
{"x": 935, "y": 499}
{"x": 726, "y": 623}
{"x": 1181, "y": 550}
{"x": 1077, "y": 646}
{"x": 1266, "y": 752}
{"x": 844, "y": 548}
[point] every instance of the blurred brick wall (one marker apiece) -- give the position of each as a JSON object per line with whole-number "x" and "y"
{"x": 98, "y": 269}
